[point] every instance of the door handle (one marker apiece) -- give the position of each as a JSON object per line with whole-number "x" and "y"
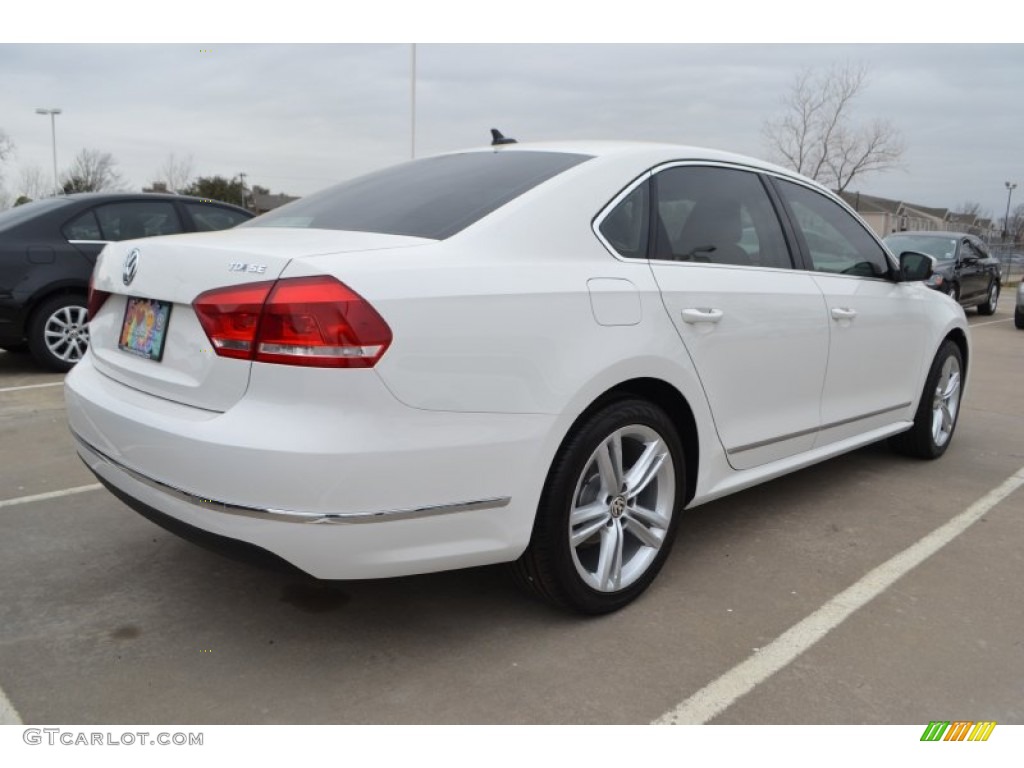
{"x": 702, "y": 315}
{"x": 843, "y": 313}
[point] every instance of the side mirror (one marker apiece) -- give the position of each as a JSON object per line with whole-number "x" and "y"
{"x": 916, "y": 266}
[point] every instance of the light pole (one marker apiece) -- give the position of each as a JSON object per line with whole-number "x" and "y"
{"x": 412, "y": 126}
{"x": 1006, "y": 221}
{"x": 53, "y": 132}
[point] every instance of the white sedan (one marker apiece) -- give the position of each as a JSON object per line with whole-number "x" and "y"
{"x": 538, "y": 354}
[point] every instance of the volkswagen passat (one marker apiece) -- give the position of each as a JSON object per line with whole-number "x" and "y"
{"x": 535, "y": 354}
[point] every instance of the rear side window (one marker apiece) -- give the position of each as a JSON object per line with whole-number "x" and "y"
{"x": 84, "y": 227}
{"x": 434, "y": 198}
{"x": 625, "y": 227}
{"x": 717, "y": 216}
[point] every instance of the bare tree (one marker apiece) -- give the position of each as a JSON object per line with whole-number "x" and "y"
{"x": 1015, "y": 226}
{"x": 815, "y": 134}
{"x": 6, "y": 150}
{"x": 33, "y": 183}
{"x": 972, "y": 208}
{"x": 92, "y": 171}
{"x": 6, "y": 146}
{"x": 175, "y": 173}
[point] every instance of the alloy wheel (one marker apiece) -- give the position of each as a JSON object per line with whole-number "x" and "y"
{"x": 946, "y": 402}
{"x": 622, "y": 507}
{"x": 66, "y": 333}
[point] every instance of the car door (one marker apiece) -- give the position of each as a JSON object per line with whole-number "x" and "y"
{"x": 92, "y": 229}
{"x": 878, "y": 326}
{"x": 753, "y": 326}
{"x": 973, "y": 276}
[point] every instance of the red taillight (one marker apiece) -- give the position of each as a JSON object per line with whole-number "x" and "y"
{"x": 230, "y": 317}
{"x": 96, "y": 299}
{"x": 314, "y": 321}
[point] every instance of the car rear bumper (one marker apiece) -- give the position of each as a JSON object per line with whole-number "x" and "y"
{"x": 342, "y": 492}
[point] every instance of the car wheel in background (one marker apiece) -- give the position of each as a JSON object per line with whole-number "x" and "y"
{"x": 939, "y": 407}
{"x": 989, "y": 307}
{"x": 609, "y": 510}
{"x": 58, "y": 334}
{"x": 1018, "y": 317}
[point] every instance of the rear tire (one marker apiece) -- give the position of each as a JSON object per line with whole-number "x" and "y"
{"x": 609, "y": 510}
{"x": 1018, "y": 317}
{"x": 58, "y": 334}
{"x": 989, "y": 307}
{"x": 936, "y": 417}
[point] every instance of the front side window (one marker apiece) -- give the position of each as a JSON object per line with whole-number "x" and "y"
{"x": 836, "y": 242}
{"x": 717, "y": 216}
{"x": 129, "y": 220}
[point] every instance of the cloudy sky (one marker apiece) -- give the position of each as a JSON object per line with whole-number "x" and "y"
{"x": 296, "y": 116}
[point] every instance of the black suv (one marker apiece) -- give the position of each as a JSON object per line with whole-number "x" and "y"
{"x": 965, "y": 269}
{"x": 48, "y": 249}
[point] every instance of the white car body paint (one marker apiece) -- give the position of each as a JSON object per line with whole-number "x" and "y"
{"x": 503, "y": 335}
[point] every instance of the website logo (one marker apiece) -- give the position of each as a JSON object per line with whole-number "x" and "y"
{"x": 958, "y": 730}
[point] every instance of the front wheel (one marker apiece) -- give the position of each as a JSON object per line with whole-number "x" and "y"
{"x": 939, "y": 408}
{"x": 609, "y": 510}
{"x": 989, "y": 307}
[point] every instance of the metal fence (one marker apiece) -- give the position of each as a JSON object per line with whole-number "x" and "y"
{"x": 1011, "y": 262}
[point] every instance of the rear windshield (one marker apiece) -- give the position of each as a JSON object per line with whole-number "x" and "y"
{"x": 434, "y": 198}
{"x": 14, "y": 216}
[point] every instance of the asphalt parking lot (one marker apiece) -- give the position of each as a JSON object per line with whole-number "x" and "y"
{"x": 107, "y": 619}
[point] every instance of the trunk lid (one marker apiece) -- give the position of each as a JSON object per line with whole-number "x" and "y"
{"x": 171, "y": 355}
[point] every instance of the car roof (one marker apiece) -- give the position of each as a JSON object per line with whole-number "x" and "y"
{"x": 107, "y": 197}
{"x": 653, "y": 152}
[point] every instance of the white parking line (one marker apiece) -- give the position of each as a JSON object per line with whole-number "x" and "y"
{"x": 49, "y": 495}
{"x": 717, "y": 696}
{"x": 8, "y": 714}
{"x": 33, "y": 386}
{"x": 991, "y": 322}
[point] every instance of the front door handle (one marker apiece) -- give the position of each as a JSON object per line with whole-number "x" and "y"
{"x": 843, "y": 313}
{"x": 693, "y": 316}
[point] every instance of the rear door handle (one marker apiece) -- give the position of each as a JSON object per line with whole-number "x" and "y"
{"x": 843, "y": 313}
{"x": 693, "y": 316}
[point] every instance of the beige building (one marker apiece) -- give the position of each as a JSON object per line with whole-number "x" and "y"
{"x": 886, "y": 216}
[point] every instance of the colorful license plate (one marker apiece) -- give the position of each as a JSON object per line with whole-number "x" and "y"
{"x": 144, "y": 329}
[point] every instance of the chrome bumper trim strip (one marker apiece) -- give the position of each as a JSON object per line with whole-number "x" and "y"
{"x": 287, "y": 515}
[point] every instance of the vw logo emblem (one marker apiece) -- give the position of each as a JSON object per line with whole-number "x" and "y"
{"x": 131, "y": 266}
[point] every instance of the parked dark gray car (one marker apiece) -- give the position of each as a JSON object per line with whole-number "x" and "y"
{"x": 48, "y": 249}
{"x": 965, "y": 269}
